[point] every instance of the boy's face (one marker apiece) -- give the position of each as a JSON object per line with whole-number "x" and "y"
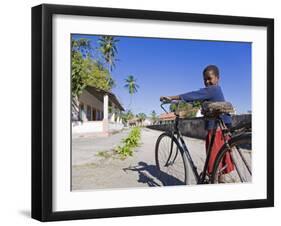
{"x": 210, "y": 78}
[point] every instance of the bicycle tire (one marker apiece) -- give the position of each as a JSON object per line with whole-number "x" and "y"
{"x": 240, "y": 149}
{"x": 171, "y": 164}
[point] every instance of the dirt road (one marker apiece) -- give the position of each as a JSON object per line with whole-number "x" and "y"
{"x": 96, "y": 166}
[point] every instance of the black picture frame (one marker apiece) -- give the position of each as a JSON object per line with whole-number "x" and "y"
{"x": 42, "y": 107}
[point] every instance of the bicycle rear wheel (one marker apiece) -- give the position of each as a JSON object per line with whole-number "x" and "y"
{"x": 170, "y": 161}
{"x": 240, "y": 149}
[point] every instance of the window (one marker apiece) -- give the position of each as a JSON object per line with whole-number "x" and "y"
{"x": 81, "y": 110}
{"x": 99, "y": 115}
{"x": 89, "y": 113}
{"x": 94, "y": 114}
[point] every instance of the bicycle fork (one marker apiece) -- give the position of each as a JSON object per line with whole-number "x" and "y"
{"x": 168, "y": 162}
{"x": 190, "y": 161}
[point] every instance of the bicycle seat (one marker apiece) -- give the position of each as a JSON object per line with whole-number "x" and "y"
{"x": 213, "y": 109}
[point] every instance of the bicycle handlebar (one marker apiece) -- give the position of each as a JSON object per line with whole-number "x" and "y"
{"x": 166, "y": 100}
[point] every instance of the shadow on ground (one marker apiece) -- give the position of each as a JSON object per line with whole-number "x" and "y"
{"x": 150, "y": 175}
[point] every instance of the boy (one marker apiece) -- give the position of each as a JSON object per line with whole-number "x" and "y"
{"x": 211, "y": 92}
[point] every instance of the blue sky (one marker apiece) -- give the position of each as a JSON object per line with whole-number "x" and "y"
{"x": 172, "y": 66}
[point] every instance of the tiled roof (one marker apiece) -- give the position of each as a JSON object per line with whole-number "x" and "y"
{"x": 167, "y": 116}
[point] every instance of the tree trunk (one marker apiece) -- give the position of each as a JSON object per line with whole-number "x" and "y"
{"x": 131, "y": 97}
{"x": 75, "y": 116}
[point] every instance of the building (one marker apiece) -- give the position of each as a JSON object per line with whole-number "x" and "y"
{"x": 166, "y": 118}
{"x": 138, "y": 122}
{"x": 98, "y": 112}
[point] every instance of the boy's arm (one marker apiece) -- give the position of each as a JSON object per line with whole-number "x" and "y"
{"x": 199, "y": 95}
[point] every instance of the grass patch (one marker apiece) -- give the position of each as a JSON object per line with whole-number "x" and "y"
{"x": 104, "y": 154}
{"x": 129, "y": 143}
{"x": 86, "y": 165}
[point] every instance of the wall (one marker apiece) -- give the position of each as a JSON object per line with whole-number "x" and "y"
{"x": 87, "y": 127}
{"x": 88, "y": 99}
{"x": 115, "y": 126}
{"x": 195, "y": 127}
{"x": 15, "y": 133}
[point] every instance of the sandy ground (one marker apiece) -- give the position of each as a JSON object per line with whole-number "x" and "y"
{"x": 96, "y": 166}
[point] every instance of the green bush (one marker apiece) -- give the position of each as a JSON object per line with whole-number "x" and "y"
{"x": 129, "y": 143}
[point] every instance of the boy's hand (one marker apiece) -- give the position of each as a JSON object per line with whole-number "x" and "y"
{"x": 165, "y": 98}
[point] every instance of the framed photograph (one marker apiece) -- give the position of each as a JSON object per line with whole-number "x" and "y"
{"x": 139, "y": 112}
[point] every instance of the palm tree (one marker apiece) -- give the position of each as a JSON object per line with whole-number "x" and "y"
{"x": 153, "y": 116}
{"x": 108, "y": 48}
{"x": 127, "y": 116}
{"x": 141, "y": 117}
{"x": 132, "y": 86}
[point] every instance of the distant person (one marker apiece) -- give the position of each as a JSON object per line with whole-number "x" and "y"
{"x": 211, "y": 92}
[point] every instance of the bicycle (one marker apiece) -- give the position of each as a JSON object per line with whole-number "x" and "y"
{"x": 173, "y": 159}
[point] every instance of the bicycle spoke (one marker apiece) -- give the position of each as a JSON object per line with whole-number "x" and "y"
{"x": 240, "y": 154}
{"x": 170, "y": 161}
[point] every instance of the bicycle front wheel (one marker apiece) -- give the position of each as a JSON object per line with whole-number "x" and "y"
{"x": 240, "y": 150}
{"x": 171, "y": 162}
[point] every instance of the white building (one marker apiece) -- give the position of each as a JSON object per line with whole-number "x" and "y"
{"x": 99, "y": 112}
{"x": 147, "y": 122}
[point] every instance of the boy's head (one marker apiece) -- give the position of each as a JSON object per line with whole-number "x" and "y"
{"x": 211, "y": 75}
